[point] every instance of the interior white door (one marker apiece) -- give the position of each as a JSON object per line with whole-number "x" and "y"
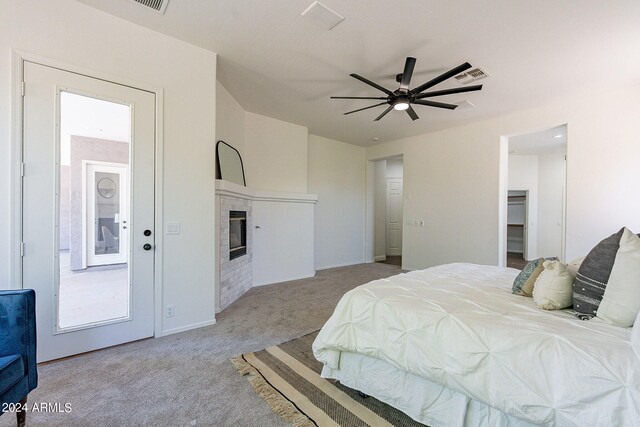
{"x": 394, "y": 216}
{"x": 69, "y": 120}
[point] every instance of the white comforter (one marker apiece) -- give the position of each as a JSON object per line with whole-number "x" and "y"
{"x": 458, "y": 325}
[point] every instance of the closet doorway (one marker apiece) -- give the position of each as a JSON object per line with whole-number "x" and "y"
{"x": 535, "y": 197}
{"x": 388, "y": 210}
{"x": 517, "y": 228}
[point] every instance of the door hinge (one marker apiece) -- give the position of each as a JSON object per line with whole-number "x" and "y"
{"x": 22, "y": 169}
{"x": 22, "y": 88}
{"x": 21, "y": 248}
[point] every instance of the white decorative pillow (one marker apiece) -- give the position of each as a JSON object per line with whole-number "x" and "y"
{"x": 574, "y": 265}
{"x": 554, "y": 288}
{"x": 621, "y": 300}
{"x": 635, "y": 336}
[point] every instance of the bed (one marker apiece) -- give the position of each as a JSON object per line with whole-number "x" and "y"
{"x": 452, "y": 346}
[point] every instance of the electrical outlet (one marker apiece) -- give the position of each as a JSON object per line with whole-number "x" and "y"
{"x": 421, "y": 223}
{"x": 170, "y": 311}
{"x": 409, "y": 222}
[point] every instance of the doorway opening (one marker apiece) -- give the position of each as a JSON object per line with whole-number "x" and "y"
{"x": 517, "y": 228}
{"x": 534, "y": 224}
{"x": 388, "y": 207}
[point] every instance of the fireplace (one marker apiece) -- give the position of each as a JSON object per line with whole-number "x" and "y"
{"x": 237, "y": 234}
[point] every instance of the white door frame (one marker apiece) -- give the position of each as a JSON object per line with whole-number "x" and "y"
{"x": 15, "y": 222}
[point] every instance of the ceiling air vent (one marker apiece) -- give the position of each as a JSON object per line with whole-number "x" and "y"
{"x": 471, "y": 76}
{"x": 157, "y": 5}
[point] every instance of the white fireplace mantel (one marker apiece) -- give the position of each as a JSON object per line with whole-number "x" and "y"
{"x": 226, "y": 188}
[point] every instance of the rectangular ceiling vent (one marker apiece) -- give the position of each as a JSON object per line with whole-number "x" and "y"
{"x": 471, "y": 76}
{"x": 321, "y": 15}
{"x": 157, "y": 5}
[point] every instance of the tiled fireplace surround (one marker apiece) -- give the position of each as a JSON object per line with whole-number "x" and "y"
{"x": 294, "y": 258}
{"x": 235, "y": 274}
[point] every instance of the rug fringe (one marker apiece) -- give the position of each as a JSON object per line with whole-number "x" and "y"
{"x": 278, "y": 404}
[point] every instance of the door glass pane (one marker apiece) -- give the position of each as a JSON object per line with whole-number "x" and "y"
{"x": 95, "y": 146}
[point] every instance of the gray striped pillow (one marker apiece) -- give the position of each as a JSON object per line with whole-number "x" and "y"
{"x": 593, "y": 275}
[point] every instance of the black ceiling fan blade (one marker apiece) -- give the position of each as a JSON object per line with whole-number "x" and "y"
{"x": 409, "y": 64}
{"x": 384, "y": 113}
{"x": 370, "y": 83}
{"x": 449, "y": 91}
{"x": 411, "y": 112}
{"x": 435, "y": 104}
{"x": 358, "y": 97}
{"x": 442, "y": 77}
{"x": 365, "y": 108}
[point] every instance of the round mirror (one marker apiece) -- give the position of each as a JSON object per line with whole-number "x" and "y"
{"x": 106, "y": 188}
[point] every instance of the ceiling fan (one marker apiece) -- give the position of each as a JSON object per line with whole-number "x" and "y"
{"x": 403, "y": 97}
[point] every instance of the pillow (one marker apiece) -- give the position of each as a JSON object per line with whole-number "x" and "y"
{"x": 574, "y": 266}
{"x": 593, "y": 276}
{"x": 523, "y": 285}
{"x": 635, "y": 336}
{"x": 553, "y": 289}
{"x": 621, "y": 300}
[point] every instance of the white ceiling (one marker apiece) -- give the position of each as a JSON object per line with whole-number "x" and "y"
{"x": 544, "y": 142}
{"x": 279, "y": 64}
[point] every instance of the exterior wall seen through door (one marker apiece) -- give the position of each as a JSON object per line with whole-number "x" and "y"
{"x": 82, "y": 148}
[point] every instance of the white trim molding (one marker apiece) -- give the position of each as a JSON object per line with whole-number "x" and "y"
{"x": 226, "y": 188}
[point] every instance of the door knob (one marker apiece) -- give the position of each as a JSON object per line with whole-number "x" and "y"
{"x": 147, "y": 232}
{"x": 147, "y": 247}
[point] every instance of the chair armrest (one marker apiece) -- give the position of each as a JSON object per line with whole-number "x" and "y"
{"x": 18, "y": 329}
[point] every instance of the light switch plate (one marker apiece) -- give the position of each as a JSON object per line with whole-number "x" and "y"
{"x": 173, "y": 228}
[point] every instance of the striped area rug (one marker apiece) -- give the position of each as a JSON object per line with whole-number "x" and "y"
{"x": 287, "y": 377}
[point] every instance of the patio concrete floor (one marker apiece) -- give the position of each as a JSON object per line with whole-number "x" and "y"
{"x": 93, "y": 295}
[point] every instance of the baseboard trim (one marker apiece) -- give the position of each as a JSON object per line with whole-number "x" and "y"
{"x": 379, "y": 258}
{"x": 187, "y": 328}
{"x": 346, "y": 264}
{"x": 288, "y": 279}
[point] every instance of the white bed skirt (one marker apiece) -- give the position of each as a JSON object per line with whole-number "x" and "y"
{"x": 421, "y": 399}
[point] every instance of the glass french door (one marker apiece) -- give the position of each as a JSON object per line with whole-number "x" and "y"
{"x": 88, "y": 210}
{"x": 106, "y": 202}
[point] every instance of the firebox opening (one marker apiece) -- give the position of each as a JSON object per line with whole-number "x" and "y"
{"x": 237, "y": 234}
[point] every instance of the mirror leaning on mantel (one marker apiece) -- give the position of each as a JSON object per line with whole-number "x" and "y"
{"x": 229, "y": 165}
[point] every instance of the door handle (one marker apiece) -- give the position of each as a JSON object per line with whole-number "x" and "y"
{"x": 147, "y": 247}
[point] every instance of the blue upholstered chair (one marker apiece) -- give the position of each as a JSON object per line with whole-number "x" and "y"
{"x": 18, "y": 372}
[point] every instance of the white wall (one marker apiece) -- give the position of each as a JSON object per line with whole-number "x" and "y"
{"x": 523, "y": 176}
{"x": 283, "y": 243}
{"x": 394, "y": 168}
{"x": 551, "y": 187}
{"x": 337, "y": 176}
{"x": 230, "y": 121}
{"x": 452, "y": 178}
{"x": 275, "y": 154}
{"x": 72, "y": 33}
{"x": 281, "y": 156}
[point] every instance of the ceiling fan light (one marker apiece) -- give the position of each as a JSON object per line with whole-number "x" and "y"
{"x": 401, "y": 106}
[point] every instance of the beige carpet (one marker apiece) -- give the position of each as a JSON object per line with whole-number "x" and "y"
{"x": 186, "y": 379}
